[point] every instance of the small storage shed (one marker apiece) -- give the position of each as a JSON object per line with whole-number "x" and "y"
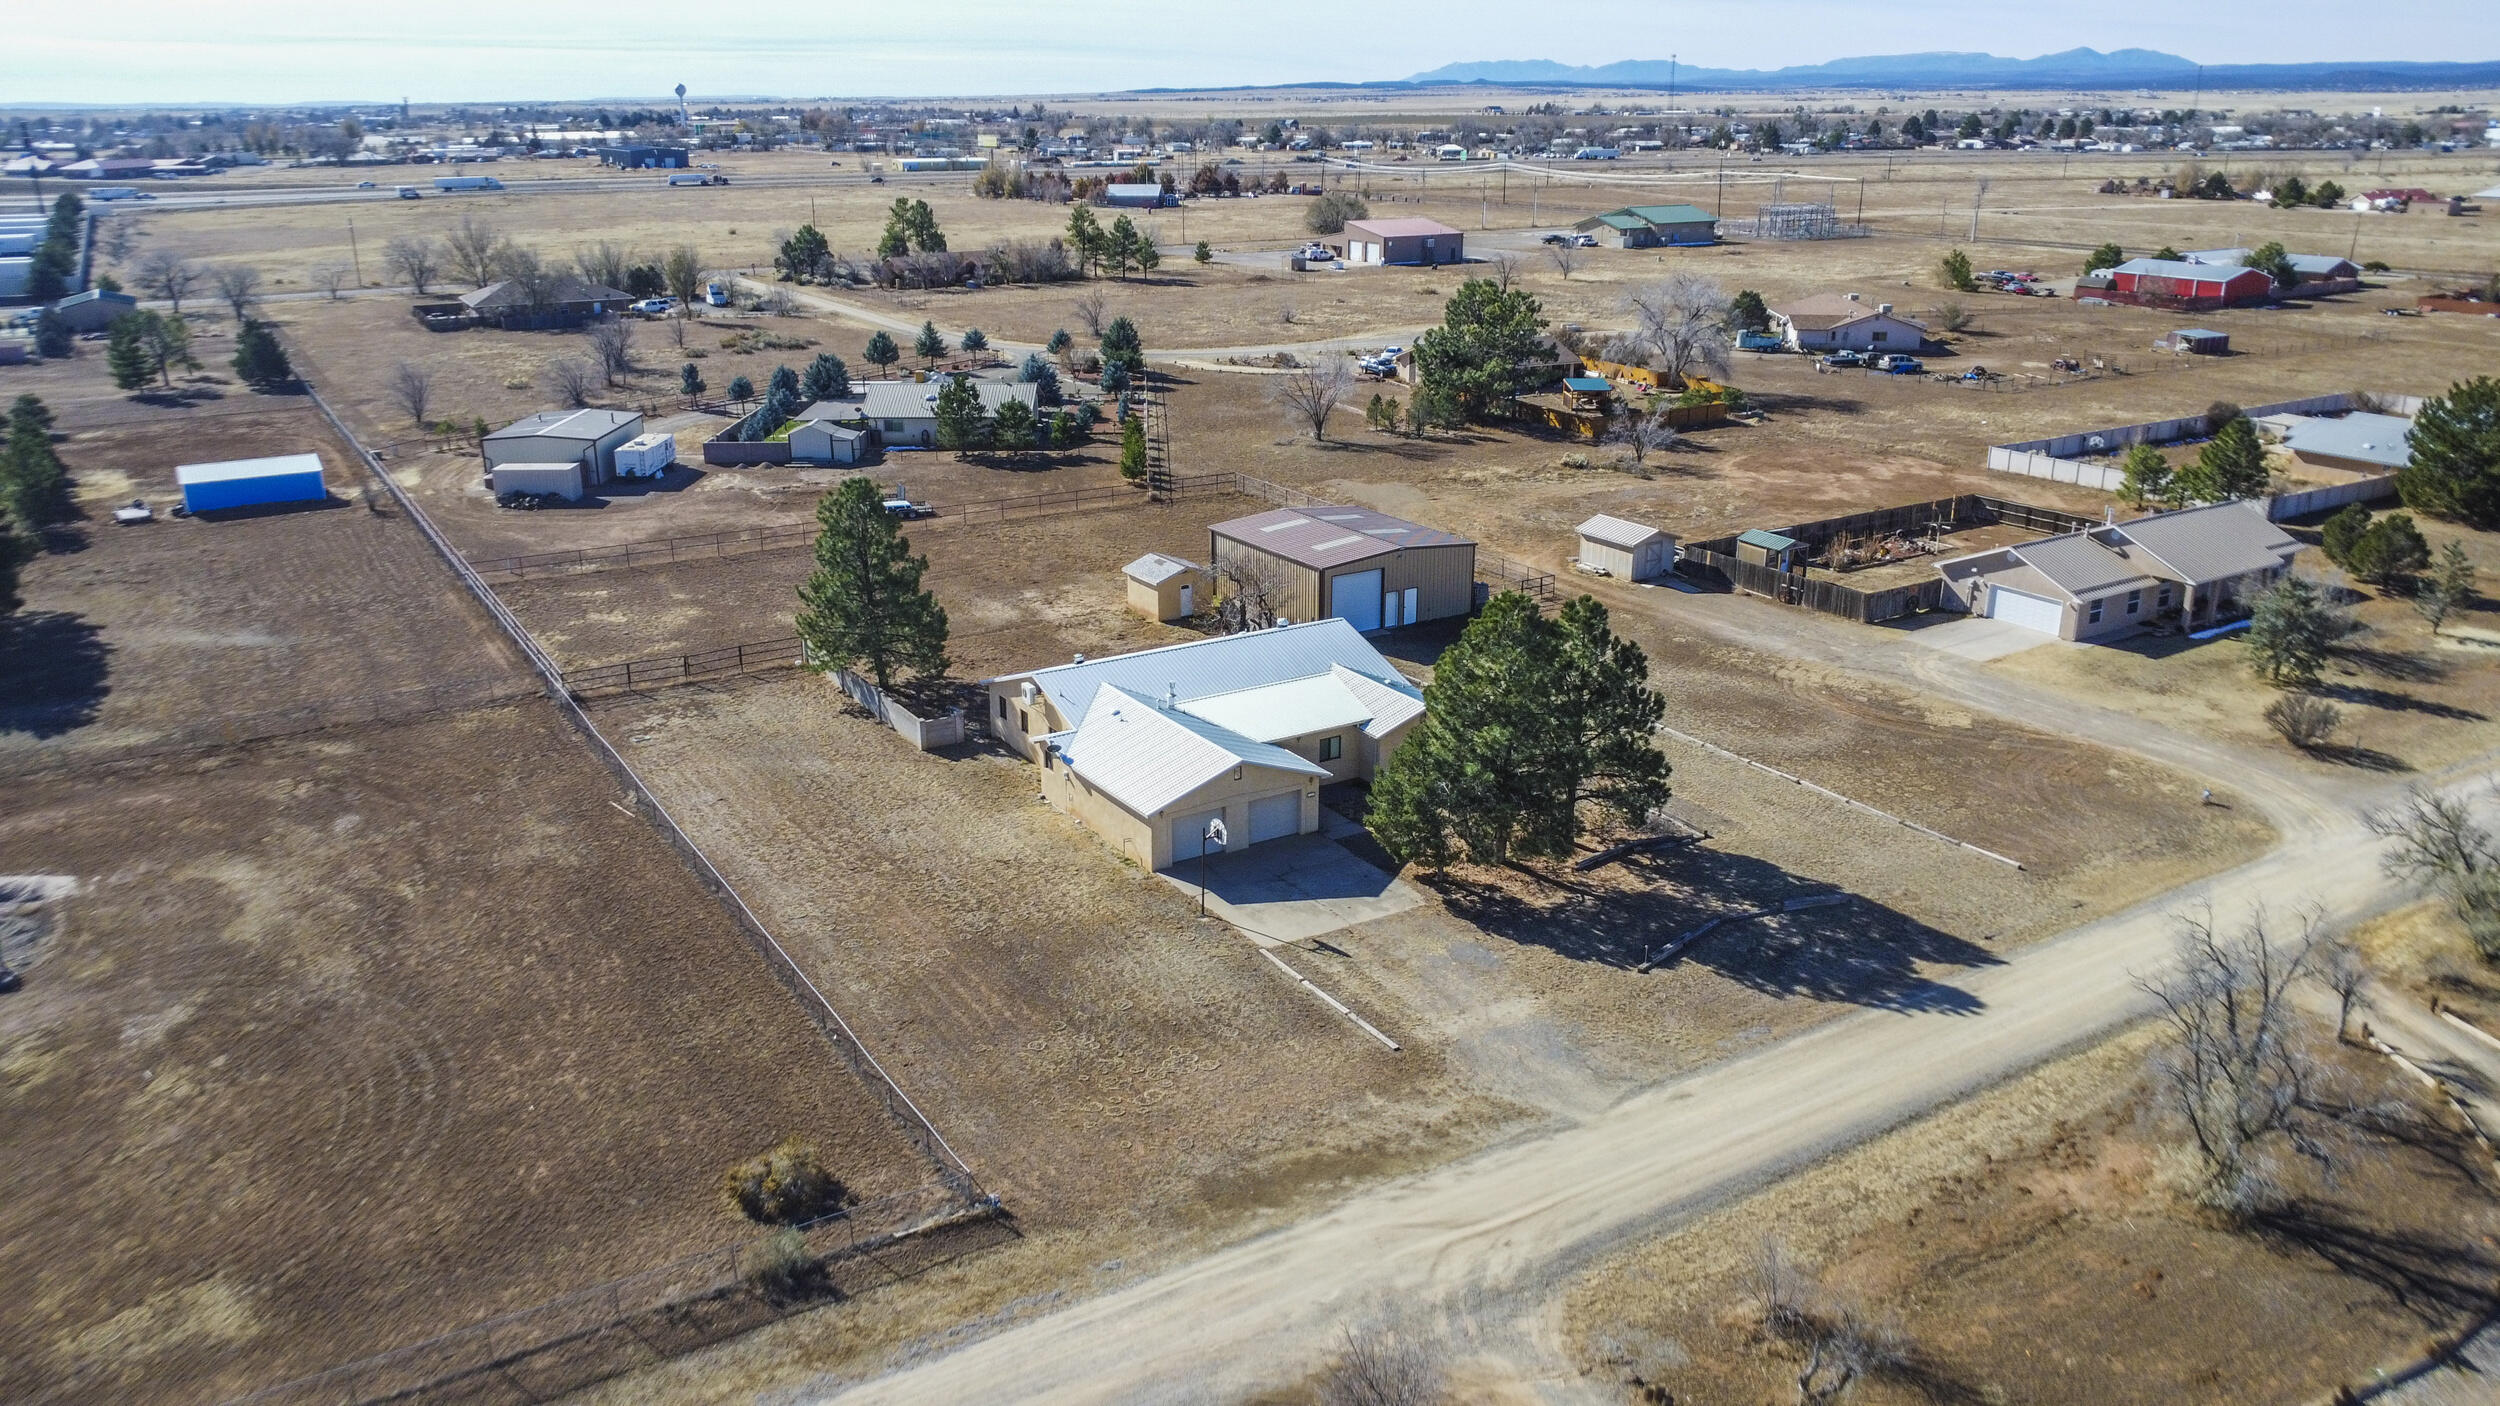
{"x": 2199, "y": 341}
{"x": 562, "y": 480}
{"x": 251, "y": 483}
{"x": 1164, "y": 588}
{"x": 1767, "y": 549}
{"x": 1587, "y": 393}
{"x": 825, "y": 442}
{"x": 1631, "y": 550}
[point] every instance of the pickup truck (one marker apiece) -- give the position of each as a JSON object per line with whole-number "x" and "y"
{"x": 906, "y": 509}
{"x": 1844, "y": 358}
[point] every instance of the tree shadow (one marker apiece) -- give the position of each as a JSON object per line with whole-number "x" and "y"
{"x": 53, "y": 671}
{"x": 1857, "y": 952}
{"x": 2360, "y": 758}
{"x": 2362, "y": 695}
{"x": 2400, "y": 665}
{"x": 2432, "y": 1279}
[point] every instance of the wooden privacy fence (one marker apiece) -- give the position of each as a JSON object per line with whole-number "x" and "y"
{"x": 1714, "y": 561}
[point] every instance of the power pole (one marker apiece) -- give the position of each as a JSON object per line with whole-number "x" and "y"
{"x": 354, "y": 255}
{"x": 1976, "y": 201}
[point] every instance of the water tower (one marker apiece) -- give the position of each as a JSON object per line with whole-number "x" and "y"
{"x": 682, "y": 119}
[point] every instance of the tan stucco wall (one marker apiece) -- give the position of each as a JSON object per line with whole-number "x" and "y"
{"x": 1163, "y": 602}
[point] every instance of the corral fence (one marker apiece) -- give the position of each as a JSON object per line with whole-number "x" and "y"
{"x": 915, "y": 1126}
{"x": 566, "y": 1344}
{"x": 664, "y": 551}
{"x": 2053, "y": 459}
{"x": 691, "y": 666}
{"x": 1714, "y": 561}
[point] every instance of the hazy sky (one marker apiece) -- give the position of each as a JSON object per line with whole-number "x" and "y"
{"x": 277, "y": 51}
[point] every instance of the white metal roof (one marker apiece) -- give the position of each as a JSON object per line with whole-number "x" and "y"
{"x": 1294, "y": 708}
{"x": 230, "y": 469}
{"x": 1223, "y": 664}
{"x": 1154, "y": 568}
{"x": 588, "y": 426}
{"x": 1147, "y": 757}
{"x": 1618, "y": 532}
{"x": 2363, "y": 435}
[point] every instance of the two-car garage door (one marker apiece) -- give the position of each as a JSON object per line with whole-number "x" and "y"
{"x": 1274, "y": 817}
{"x": 2031, "y": 612}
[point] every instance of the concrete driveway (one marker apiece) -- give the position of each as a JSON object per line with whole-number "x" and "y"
{"x": 1972, "y": 637}
{"x": 1293, "y": 890}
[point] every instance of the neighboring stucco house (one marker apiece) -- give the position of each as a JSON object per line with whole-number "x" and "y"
{"x": 1146, "y": 748}
{"x": 1372, "y": 570}
{"x": 1845, "y": 322}
{"x": 2189, "y": 567}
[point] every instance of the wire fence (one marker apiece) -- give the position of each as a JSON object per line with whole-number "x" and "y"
{"x": 977, "y": 512}
{"x": 568, "y": 1343}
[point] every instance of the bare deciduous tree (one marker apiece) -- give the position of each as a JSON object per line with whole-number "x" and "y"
{"x": 1093, "y": 310}
{"x": 533, "y": 282}
{"x": 237, "y": 286}
{"x": 1682, "y": 322}
{"x": 1838, "y": 1343}
{"x": 603, "y": 263}
{"x": 573, "y": 379}
{"x": 1383, "y": 1362}
{"x": 1251, "y": 586}
{"x": 117, "y": 237}
{"x": 415, "y": 261}
{"x": 474, "y": 250}
{"x": 778, "y": 302}
{"x": 1285, "y": 313}
{"x": 1643, "y": 435}
{"x": 2231, "y": 1068}
{"x": 1954, "y": 317}
{"x": 2340, "y": 969}
{"x": 1311, "y": 394}
{"x": 2441, "y": 846}
{"x": 1566, "y": 257}
{"x": 169, "y": 276}
{"x": 612, "y": 345}
{"x": 1505, "y": 266}
{"x": 413, "y": 387}
{"x": 333, "y": 276}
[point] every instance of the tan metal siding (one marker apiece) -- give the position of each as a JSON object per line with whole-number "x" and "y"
{"x": 1298, "y": 601}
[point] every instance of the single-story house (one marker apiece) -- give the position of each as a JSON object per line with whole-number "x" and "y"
{"x": 2197, "y": 341}
{"x": 93, "y": 310}
{"x": 1761, "y": 547}
{"x": 1412, "y": 241}
{"x": 2316, "y": 274}
{"x": 1631, "y": 550}
{"x": 2178, "y": 284}
{"x": 1164, "y": 587}
{"x": 564, "y": 301}
{"x": 1371, "y": 570}
{"x": 1137, "y": 195}
{"x": 589, "y": 438}
{"x": 2193, "y": 567}
{"x": 1653, "y": 226}
{"x": 903, "y": 414}
{"x": 107, "y": 168}
{"x": 1147, "y": 748}
{"x": 251, "y": 483}
{"x": 1845, "y": 322}
{"x": 2362, "y": 443}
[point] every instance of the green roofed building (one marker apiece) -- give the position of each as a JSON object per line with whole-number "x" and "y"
{"x": 1653, "y": 226}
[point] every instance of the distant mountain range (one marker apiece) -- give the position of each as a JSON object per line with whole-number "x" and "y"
{"x": 2075, "y": 68}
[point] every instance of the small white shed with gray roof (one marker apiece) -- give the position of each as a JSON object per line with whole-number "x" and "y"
{"x": 1620, "y": 547}
{"x": 1164, "y": 587}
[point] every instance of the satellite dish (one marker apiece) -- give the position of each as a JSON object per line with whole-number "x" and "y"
{"x": 1215, "y": 832}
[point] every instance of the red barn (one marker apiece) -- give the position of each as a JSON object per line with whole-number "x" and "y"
{"x": 2197, "y": 287}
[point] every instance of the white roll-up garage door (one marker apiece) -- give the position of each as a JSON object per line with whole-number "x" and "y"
{"x": 1275, "y": 817}
{"x": 1355, "y": 599}
{"x": 1186, "y": 833}
{"x": 2030, "y": 612}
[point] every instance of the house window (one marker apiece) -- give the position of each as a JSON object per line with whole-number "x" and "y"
{"x": 1002, "y": 710}
{"x": 1331, "y": 748}
{"x": 2161, "y": 599}
{"x": 1880, "y": 336}
{"x": 2095, "y": 615}
{"x": 893, "y": 426}
{"x": 2135, "y": 601}
{"x": 1023, "y": 723}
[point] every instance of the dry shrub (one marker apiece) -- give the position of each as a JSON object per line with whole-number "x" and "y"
{"x": 786, "y": 1186}
{"x": 782, "y": 1270}
{"x": 1383, "y": 1363}
{"x": 2304, "y": 721}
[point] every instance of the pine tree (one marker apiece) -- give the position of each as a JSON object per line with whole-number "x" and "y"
{"x": 1012, "y": 428}
{"x": 1122, "y": 348}
{"x": 258, "y": 358}
{"x": 930, "y": 344}
{"x": 741, "y": 390}
{"x": 1203, "y": 254}
{"x": 690, "y": 380}
{"x": 881, "y": 351}
{"x": 53, "y": 338}
{"x": 2148, "y": 480}
{"x": 126, "y": 353}
{"x": 2388, "y": 552}
{"x": 2455, "y": 469}
{"x": 2108, "y": 256}
{"x": 2291, "y": 631}
{"x": 2231, "y": 465}
{"x": 1085, "y": 236}
{"x": 1133, "y": 448}
{"x": 975, "y": 340}
{"x": 1748, "y": 313}
{"x": 2449, "y": 589}
{"x": 2337, "y": 534}
{"x": 1957, "y": 273}
{"x": 827, "y": 378}
{"x": 1609, "y": 711}
{"x": 34, "y": 489}
{"x": 1486, "y": 348}
{"x": 863, "y": 603}
{"x": 962, "y": 425}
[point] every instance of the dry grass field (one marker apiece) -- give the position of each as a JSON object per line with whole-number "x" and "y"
{"x": 354, "y": 1038}
{"x": 2030, "y": 1244}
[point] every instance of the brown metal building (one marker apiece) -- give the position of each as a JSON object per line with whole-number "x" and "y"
{"x": 1373, "y": 571}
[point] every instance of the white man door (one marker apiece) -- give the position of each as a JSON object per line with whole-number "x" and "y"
{"x": 1355, "y": 599}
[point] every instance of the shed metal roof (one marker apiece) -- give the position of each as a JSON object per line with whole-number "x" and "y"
{"x": 1324, "y": 537}
{"x": 1401, "y": 229}
{"x": 1672, "y": 214}
{"x": 1618, "y": 532}
{"x": 1768, "y": 541}
{"x": 588, "y": 426}
{"x": 2362, "y": 435}
{"x": 229, "y": 470}
{"x": 1587, "y": 385}
{"x": 1154, "y": 568}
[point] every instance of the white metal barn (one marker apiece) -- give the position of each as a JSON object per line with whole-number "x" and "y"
{"x": 1631, "y": 550}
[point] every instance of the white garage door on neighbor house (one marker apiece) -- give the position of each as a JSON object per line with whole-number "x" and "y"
{"x": 2030, "y": 612}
